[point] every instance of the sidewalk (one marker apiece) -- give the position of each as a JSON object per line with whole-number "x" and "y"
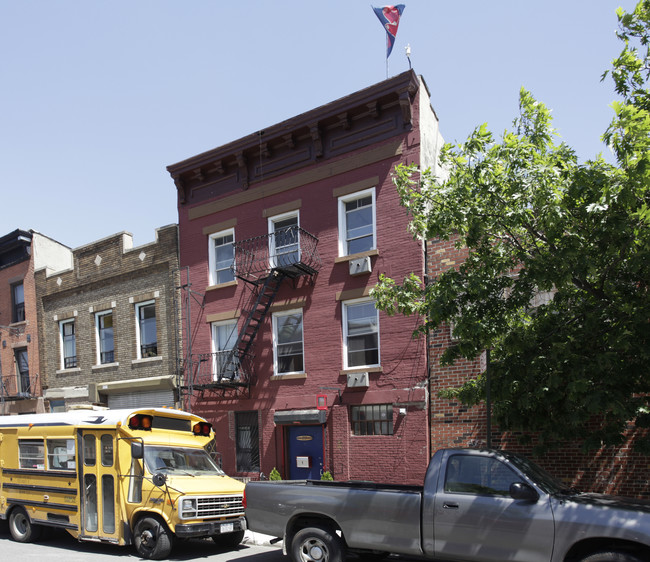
{"x": 259, "y": 539}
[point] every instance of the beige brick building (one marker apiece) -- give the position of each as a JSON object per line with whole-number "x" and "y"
{"x": 108, "y": 324}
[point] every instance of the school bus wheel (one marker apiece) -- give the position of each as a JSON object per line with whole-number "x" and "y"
{"x": 20, "y": 526}
{"x": 152, "y": 539}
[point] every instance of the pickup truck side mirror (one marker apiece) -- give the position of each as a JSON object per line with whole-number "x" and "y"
{"x": 523, "y": 491}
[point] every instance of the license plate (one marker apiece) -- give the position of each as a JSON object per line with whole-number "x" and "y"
{"x": 227, "y": 527}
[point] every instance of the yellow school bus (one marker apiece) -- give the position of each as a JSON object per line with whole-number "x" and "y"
{"x": 141, "y": 477}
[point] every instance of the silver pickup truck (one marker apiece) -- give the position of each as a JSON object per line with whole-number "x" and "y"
{"x": 475, "y": 505}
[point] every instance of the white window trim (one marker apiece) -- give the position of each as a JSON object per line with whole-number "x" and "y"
{"x": 343, "y": 251}
{"x": 98, "y": 356}
{"x": 344, "y": 315}
{"x": 138, "y": 347}
{"x": 213, "y": 341}
{"x": 271, "y": 227}
{"x": 212, "y": 261}
{"x": 274, "y": 320}
{"x": 61, "y": 344}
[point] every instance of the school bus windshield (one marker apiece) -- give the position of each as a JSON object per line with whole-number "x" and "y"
{"x": 180, "y": 461}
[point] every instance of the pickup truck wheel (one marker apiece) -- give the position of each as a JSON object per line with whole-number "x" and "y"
{"x": 611, "y": 556}
{"x": 314, "y": 544}
{"x": 152, "y": 539}
{"x": 21, "y": 528}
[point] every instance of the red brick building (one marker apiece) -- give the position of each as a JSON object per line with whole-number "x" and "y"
{"x": 283, "y": 233}
{"x": 22, "y": 252}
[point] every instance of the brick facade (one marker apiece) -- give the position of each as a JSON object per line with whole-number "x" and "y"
{"x": 305, "y": 167}
{"x": 21, "y": 252}
{"x": 111, "y": 276}
{"x": 613, "y": 470}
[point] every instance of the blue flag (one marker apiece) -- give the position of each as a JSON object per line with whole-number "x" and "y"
{"x": 389, "y": 18}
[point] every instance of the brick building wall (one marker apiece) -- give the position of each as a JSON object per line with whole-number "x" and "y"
{"x": 109, "y": 275}
{"x": 18, "y": 335}
{"x": 19, "y": 395}
{"x": 304, "y": 166}
{"x": 612, "y": 470}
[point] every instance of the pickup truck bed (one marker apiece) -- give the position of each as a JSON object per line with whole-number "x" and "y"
{"x": 390, "y": 512}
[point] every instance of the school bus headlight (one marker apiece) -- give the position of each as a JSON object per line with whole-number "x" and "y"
{"x": 188, "y": 508}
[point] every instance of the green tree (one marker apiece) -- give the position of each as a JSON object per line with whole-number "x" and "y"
{"x": 537, "y": 222}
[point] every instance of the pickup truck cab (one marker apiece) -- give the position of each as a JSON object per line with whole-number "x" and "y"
{"x": 475, "y": 505}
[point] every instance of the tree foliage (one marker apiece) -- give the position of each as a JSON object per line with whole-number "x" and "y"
{"x": 538, "y": 222}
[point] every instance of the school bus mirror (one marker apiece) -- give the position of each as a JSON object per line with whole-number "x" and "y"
{"x": 137, "y": 449}
{"x": 159, "y": 479}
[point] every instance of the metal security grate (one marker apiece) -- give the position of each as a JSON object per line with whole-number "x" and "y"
{"x": 220, "y": 506}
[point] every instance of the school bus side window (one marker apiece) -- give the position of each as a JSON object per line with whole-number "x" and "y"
{"x": 90, "y": 454}
{"x": 31, "y": 454}
{"x": 107, "y": 450}
{"x": 60, "y": 454}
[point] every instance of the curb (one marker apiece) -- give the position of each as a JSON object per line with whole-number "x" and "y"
{"x": 259, "y": 539}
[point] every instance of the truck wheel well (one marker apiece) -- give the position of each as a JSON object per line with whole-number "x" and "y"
{"x": 311, "y": 520}
{"x": 590, "y": 546}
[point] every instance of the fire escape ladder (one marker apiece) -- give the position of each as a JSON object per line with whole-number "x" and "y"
{"x": 258, "y": 311}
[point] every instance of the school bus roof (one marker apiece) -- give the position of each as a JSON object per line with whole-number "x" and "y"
{"x": 90, "y": 418}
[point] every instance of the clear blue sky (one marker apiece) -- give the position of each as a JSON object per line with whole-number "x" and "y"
{"x": 98, "y": 97}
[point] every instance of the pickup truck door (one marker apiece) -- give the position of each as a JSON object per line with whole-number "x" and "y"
{"x": 476, "y": 519}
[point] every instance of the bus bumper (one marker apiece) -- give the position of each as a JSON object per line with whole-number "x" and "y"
{"x": 210, "y": 528}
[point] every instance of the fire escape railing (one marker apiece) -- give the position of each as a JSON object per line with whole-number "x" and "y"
{"x": 17, "y": 387}
{"x": 263, "y": 262}
{"x": 290, "y": 250}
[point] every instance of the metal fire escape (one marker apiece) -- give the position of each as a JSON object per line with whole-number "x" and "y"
{"x": 263, "y": 263}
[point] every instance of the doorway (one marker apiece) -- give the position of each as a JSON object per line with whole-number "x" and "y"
{"x": 305, "y": 451}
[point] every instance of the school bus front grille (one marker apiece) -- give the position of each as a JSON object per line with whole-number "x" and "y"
{"x": 203, "y": 507}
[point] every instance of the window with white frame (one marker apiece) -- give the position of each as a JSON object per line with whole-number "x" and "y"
{"x": 360, "y": 334}
{"x": 105, "y": 337}
{"x": 284, "y": 240}
{"x": 225, "y": 362}
{"x": 221, "y": 255}
{"x": 357, "y": 228}
{"x": 288, "y": 347}
{"x": 146, "y": 330}
{"x": 68, "y": 344}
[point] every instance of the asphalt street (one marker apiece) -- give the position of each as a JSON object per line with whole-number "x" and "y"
{"x": 59, "y": 546}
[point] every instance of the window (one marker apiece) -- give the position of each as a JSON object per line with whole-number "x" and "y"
{"x": 68, "y": 344}
{"x": 357, "y": 223}
{"x": 146, "y": 334}
{"x": 106, "y": 443}
{"x": 479, "y": 475}
{"x": 18, "y": 303}
{"x": 105, "y": 338}
{"x": 22, "y": 371}
{"x": 224, "y": 337}
{"x": 31, "y": 454}
{"x": 221, "y": 255}
{"x": 288, "y": 351}
{"x": 247, "y": 442}
{"x": 284, "y": 240}
{"x": 375, "y": 419}
{"x": 360, "y": 334}
{"x": 90, "y": 452}
{"x": 60, "y": 454}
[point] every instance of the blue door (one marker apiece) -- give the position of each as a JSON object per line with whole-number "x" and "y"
{"x": 305, "y": 451}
